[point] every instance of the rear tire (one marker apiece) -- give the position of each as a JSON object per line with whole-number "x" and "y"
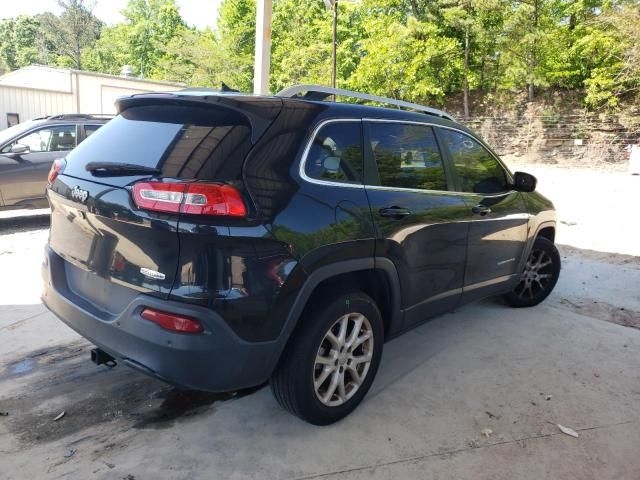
{"x": 539, "y": 277}
{"x": 331, "y": 359}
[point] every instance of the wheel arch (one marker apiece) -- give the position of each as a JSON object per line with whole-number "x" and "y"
{"x": 377, "y": 277}
{"x": 546, "y": 230}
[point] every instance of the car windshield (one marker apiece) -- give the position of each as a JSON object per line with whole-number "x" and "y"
{"x": 11, "y": 132}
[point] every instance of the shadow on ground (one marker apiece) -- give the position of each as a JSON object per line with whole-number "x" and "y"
{"x": 62, "y": 379}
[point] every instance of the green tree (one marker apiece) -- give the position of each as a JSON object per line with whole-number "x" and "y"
{"x": 19, "y": 41}
{"x": 523, "y": 36}
{"x": 141, "y": 41}
{"x": 301, "y": 44}
{"x": 411, "y": 61}
{"x": 610, "y": 43}
{"x": 475, "y": 24}
{"x": 111, "y": 52}
{"x": 151, "y": 25}
{"x": 208, "y": 59}
{"x": 70, "y": 33}
{"x": 235, "y": 38}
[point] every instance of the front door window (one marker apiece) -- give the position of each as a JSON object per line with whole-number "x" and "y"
{"x": 59, "y": 138}
{"x": 477, "y": 170}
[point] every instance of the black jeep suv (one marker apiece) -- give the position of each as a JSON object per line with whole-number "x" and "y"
{"x": 220, "y": 240}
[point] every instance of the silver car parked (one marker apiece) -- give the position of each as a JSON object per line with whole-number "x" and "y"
{"x": 28, "y": 149}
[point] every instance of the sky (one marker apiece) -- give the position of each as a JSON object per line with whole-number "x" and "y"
{"x": 199, "y": 13}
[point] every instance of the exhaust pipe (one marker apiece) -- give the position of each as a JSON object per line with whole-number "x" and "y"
{"x": 100, "y": 357}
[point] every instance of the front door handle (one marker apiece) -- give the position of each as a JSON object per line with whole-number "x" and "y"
{"x": 481, "y": 210}
{"x": 395, "y": 212}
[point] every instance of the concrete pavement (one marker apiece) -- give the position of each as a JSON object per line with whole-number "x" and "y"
{"x": 485, "y": 366}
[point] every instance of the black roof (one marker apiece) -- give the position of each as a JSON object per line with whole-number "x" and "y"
{"x": 261, "y": 109}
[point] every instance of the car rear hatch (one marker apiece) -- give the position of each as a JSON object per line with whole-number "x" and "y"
{"x": 117, "y": 202}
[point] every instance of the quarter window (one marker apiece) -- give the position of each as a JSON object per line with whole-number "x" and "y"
{"x": 407, "y": 156}
{"x": 336, "y": 153}
{"x": 478, "y": 171}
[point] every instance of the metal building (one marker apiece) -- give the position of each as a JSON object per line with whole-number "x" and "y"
{"x": 37, "y": 91}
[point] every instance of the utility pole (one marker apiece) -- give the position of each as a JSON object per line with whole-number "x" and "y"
{"x": 335, "y": 42}
{"x": 333, "y": 5}
{"x": 262, "y": 62}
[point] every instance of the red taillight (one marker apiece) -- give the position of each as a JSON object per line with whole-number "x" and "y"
{"x": 172, "y": 322}
{"x": 191, "y": 198}
{"x": 56, "y": 167}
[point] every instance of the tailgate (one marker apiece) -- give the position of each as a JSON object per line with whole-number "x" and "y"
{"x": 115, "y": 246}
{"x": 111, "y": 250}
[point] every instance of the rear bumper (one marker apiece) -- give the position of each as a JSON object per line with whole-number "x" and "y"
{"x": 216, "y": 360}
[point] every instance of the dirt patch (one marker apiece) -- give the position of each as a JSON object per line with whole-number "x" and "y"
{"x": 63, "y": 379}
{"x": 604, "y": 257}
{"x": 603, "y": 311}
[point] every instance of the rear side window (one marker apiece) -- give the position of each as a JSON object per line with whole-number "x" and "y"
{"x": 185, "y": 142}
{"x": 90, "y": 130}
{"x": 336, "y": 153}
{"x": 477, "y": 170}
{"x": 407, "y": 156}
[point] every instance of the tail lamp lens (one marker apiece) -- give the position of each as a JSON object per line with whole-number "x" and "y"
{"x": 172, "y": 322}
{"x": 192, "y": 198}
{"x": 56, "y": 167}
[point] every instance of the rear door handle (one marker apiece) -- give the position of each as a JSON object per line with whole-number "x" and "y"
{"x": 480, "y": 210}
{"x": 395, "y": 212}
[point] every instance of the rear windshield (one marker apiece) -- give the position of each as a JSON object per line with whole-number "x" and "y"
{"x": 186, "y": 142}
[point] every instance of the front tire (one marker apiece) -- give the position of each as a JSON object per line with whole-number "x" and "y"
{"x": 331, "y": 360}
{"x": 539, "y": 277}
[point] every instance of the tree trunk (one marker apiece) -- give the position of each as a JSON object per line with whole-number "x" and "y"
{"x": 415, "y": 9}
{"x": 78, "y": 55}
{"x": 533, "y": 59}
{"x": 466, "y": 74}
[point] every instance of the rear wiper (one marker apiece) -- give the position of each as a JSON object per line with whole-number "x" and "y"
{"x": 104, "y": 169}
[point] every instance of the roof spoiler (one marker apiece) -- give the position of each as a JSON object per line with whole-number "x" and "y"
{"x": 259, "y": 111}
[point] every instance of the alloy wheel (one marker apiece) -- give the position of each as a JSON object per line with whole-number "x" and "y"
{"x": 537, "y": 275}
{"x": 343, "y": 359}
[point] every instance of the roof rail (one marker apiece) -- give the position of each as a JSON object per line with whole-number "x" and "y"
{"x": 319, "y": 92}
{"x": 87, "y": 116}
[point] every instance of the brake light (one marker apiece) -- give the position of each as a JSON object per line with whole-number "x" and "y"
{"x": 56, "y": 167}
{"x": 192, "y": 198}
{"x": 172, "y": 322}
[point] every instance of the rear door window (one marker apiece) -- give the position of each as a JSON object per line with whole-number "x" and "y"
{"x": 476, "y": 168}
{"x": 185, "y": 142}
{"x": 407, "y": 156}
{"x": 336, "y": 153}
{"x": 90, "y": 129}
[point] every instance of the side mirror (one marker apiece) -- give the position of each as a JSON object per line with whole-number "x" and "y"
{"x": 524, "y": 182}
{"x": 19, "y": 149}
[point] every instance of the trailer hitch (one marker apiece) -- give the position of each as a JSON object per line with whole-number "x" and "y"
{"x": 100, "y": 357}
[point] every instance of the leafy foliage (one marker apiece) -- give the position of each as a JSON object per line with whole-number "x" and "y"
{"x": 18, "y": 42}
{"x": 420, "y": 50}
